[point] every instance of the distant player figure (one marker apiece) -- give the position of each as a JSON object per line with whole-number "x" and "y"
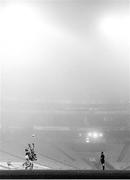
{"x": 27, "y": 164}
{"x": 33, "y": 156}
{"x": 27, "y": 153}
{"x": 102, "y": 160}
{"x": 9, "y": 164}
{"x": 30, "y": 156}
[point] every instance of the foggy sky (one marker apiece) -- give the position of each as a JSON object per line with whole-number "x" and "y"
{"x": 64, "y": 55}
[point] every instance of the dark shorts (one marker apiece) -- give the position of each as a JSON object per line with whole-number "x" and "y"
{"x": 102, "y": 161}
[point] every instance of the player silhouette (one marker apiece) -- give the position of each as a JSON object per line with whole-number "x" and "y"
{"x": 30, "y": 156}
{"x": 102, "y": 160}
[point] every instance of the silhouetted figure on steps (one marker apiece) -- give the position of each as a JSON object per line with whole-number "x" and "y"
{"x": 102, "y": 160}
{"x": 30, "y": 156}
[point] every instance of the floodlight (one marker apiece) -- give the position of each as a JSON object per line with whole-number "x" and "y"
{"x": 100, "y": 134}
{"x": 95, "y": 135}
{"x": 87, "y": 140}
{"x": 115, "y": 27}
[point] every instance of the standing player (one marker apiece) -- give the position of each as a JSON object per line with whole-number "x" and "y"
{"x": 33, "y": 156}
{"x": 27, "y": 164}
{"x": 102, "y": 160}
{"x": 30, "y": 156}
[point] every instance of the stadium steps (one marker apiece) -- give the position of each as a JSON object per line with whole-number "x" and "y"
{"x": 126, "y": 156}
{"x": 109, "y": 166}
{"x": 124, "y": 152}
{"x": 54, "y": 163}
{"x": 71, "y": 157}
{"x": 15, "y": 158}
{"x": 18, "y": 165}
{"x": 114, "y": 152}
{"x": 90, "y": 163}
{"x": 43, "y": 160}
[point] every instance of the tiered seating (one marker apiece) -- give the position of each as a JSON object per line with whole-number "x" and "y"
{"x": 18, "y": 165}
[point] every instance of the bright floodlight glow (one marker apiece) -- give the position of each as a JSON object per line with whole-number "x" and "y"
{"x": 23, "y": 31}
{"x": 89, "y": 134}
{"x": 17, "y": 27}
{"x": 100, "y": 134}
{"x": 87, "y": 140}
{"x": 95, "y": 135}
{"x": 116, "y": 27}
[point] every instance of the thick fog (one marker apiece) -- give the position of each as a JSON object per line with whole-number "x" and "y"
{"x": 65, "y": 51}
{"x": 65, "y": 82}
